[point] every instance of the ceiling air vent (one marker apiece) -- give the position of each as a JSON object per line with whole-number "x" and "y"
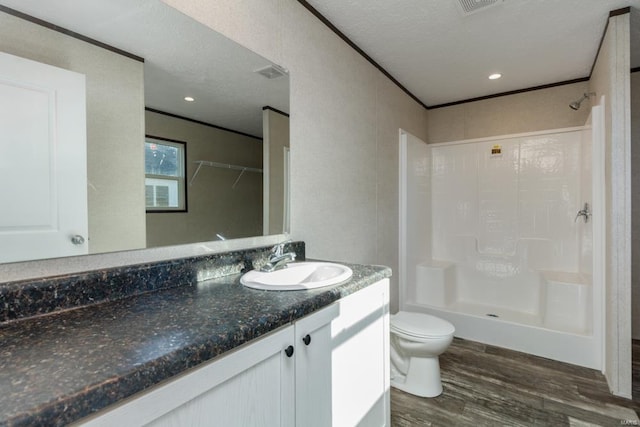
{"x": 272, "y": 71}
{"x": 469, "y": 7}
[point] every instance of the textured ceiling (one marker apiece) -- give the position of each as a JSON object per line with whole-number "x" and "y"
{"x": 441, "y": 55}
{"x": 182, "y": 58}
{"x": 429, "y": 46}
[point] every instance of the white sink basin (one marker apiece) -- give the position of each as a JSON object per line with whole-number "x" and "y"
{"x": 298, "y": 276}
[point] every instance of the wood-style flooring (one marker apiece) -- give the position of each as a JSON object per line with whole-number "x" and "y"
{"x": 491, "y": 386}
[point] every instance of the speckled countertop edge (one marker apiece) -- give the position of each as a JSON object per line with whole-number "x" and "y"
{"x": 28, "y": 298}
{"x": 62, "y": 367}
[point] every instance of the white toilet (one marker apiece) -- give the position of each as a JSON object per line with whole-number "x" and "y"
{"x": 416, "y": 342}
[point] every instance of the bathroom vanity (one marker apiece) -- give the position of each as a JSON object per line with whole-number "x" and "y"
{"x": 207, "y": 352}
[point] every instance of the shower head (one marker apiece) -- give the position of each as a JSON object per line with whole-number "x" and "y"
{"x": 575, "y": 105}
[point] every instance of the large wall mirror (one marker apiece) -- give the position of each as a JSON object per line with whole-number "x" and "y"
{"x": 187, "y": 133}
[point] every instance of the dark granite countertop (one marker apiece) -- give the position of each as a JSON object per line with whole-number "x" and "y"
{"x": 60, "y": 367}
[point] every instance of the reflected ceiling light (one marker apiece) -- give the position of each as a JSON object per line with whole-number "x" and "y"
{"x": 189, "y": 98}
{"x": 495, "y": 76}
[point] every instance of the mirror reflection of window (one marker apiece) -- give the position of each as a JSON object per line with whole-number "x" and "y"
{"x": 165, "y": 189}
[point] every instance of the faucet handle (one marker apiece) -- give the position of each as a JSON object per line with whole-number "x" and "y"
{"x": 278, "y": 249}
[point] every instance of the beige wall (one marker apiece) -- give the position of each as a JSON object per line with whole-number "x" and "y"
{"x": 345, "y": 117}
{"x": 214, "y": 205}
{"x": 610, "y": 82}
{"x": 276, "y": 138}
{"x": 523, "y": 112}
{"x": 115, "y": 128}
{"x": 635, "y": 202}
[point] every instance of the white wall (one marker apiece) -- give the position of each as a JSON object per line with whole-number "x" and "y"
{"x": 345, "y": 116}
{"x": 610, "y": 82}
{"x": 518, "y": 113}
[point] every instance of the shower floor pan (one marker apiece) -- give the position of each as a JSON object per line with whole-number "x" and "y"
{"x": 516, "y": 331}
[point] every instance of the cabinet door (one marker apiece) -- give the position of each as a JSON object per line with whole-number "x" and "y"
{"x": 313, "y": 368}
{"x": 360, "y": 358}
{"x": 252, "y": 386}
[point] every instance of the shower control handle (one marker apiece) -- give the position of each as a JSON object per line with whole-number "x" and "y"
{"x": 584, "y": 212}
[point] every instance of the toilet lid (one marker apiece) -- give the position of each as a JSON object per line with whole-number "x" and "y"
{"x": 421, "y": 325}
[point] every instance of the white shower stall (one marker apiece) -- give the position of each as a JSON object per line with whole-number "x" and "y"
{"x": 501, "y": 236}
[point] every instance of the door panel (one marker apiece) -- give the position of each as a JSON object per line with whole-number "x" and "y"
{"x": 42, "y": 161}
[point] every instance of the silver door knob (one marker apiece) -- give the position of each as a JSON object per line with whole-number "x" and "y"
{"x": 77, "y": 239}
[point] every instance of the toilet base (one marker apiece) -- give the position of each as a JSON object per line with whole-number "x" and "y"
{"x": 422, "y": 379}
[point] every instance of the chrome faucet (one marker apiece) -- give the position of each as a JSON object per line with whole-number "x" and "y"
{"x": 278, "y": 259}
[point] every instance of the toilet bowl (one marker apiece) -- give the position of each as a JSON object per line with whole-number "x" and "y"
{"x": 416, "y": 342}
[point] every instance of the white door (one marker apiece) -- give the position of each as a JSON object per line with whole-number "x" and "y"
{"x": 43, "y": 166}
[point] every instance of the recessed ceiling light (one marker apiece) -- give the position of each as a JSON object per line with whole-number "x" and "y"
{"x": 495, "y": 76}
{"x": 189, "y": 99}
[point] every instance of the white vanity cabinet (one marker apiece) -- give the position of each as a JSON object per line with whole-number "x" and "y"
{"x": 336, "y": 375}
{"x": 250, "y": 386}
{"x": 360, "y": 358}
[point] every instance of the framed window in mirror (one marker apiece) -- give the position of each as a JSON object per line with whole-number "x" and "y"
{"x": 165, "y": 184}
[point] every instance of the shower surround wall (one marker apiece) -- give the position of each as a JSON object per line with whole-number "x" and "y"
{"x": 506, "y": 250}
